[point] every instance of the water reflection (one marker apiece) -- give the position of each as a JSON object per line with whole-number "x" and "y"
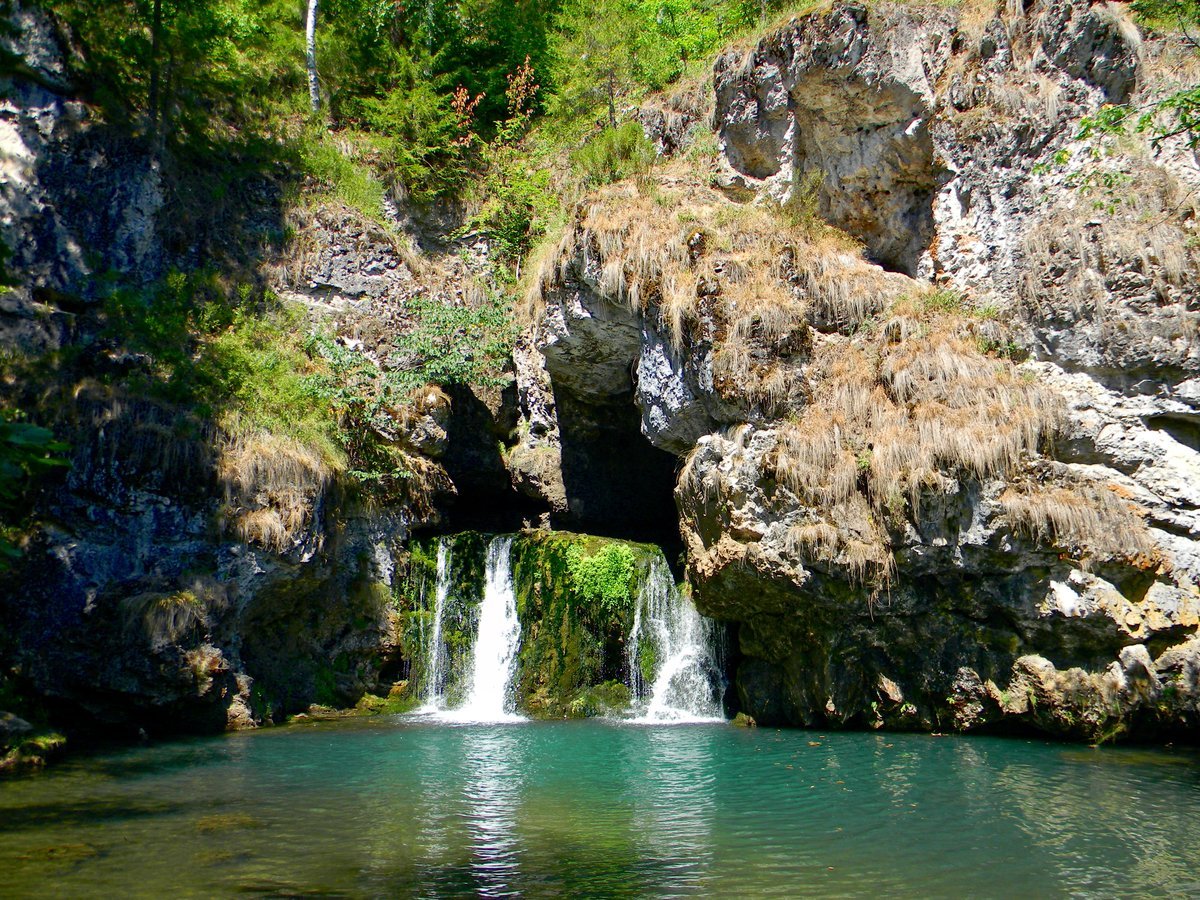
{"x": 676, "y": 809}
{"x": 491, "y": 785}
{"x": 593, "y": 809}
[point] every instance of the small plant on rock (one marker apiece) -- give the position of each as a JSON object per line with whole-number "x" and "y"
{"x": 604, "y": 577}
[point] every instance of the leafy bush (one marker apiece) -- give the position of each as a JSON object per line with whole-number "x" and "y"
{"x": 604, "y": 577}
{"x": 613, "y": 154}
{"x": 448, "y": 344}
{"x": 26, "y": 451}
{"x": 425, "y": 147}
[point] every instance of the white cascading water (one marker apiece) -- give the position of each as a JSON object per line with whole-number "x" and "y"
{"x": 496, "y": 642}
{"x": 433, "y": 681}
{"x": 686, "y": 683}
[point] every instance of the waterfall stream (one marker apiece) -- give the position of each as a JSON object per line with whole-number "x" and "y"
{"x": 434, "y": 680}
{"x": 497, "y": 639}
{"x": 673, "y": 654}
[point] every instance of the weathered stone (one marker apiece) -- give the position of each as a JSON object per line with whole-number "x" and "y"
{"x": 12, "y": 729}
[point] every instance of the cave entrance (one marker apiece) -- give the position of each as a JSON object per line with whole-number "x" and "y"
{"x": 617, "y": 483}
{"x": 486, "y": 499}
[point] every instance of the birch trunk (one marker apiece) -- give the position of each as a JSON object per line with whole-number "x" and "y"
{"x": 310, "y": 33}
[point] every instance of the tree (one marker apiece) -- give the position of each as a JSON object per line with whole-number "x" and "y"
{"x": 596, "y": 55}
{"x": 310, "y": 44}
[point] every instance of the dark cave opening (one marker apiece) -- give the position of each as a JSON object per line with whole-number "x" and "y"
{"x": 617, "y": 483}
{"x": 486, "y": 499}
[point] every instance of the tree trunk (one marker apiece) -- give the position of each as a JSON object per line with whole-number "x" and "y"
{"x": 310, "y": 32}
{"x": 155, "y": 40}
{"x": 612, "y": 99}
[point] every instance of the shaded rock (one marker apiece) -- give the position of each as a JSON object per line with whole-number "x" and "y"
{"x": 12, "y": 730}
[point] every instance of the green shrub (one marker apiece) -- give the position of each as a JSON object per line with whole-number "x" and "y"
{"x": 349, "y": 181}
{"x": 26, "y": 451}
{"x": 448, "y": 344}
{"x": 613, "y": 154}
{"x": 605, "y": 577}
{"x": 425, "y": 145}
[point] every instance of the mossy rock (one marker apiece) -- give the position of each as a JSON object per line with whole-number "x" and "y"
{"x": 575, "y": 619}
{"x": 393, "y": 704}
{"x": 609, "y": 698}
{"x": 33, "y": 752}
{"x": 415, "y": 603}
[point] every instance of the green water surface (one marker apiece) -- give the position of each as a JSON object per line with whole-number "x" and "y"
{"x": 399, "y": 807}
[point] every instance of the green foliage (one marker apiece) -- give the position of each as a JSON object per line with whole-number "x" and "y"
{"x": 350, "y": 182}
{"x": 569, "y": 644}
{"x": 1177, "y": 114}
{"x": 424, "y": 139}
{"x": 601, "y": 699}
{"x": 234, "y": 355}
{"x": 26, "y": 452}
{"x": 448, "y": 344}
{"x": 416, "y": 599}
{"x": 604, "y": 577}
{"x": 803, "y": 207}
{"x": 1007, "y": 349}
{"x": 944, "y": 300}
{"x": 613, "y": 154}
{"x": 605, "y": 50}
{"x": 519, "y": 198}
{"x": 647, "y": 660}
{"x": 1180, "y": 16}
{"x": 184, "y": 69}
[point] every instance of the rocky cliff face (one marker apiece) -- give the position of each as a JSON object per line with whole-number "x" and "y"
{"x": 178, "y": 576}
{"x": 916, "y": 388}
{"x": 944, "y": 481}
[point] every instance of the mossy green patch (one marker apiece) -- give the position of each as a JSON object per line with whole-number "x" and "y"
{"x": 604, "y": 576}
{"x": 373, "y": 705}
{"x": 33, "y": 752}
{"x": 575, "y": 599}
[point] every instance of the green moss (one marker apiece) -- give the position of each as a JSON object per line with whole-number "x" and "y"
{"x": 374, "y": 705}
{"x": 33, "y": 752}
{"x": 601, "y": 699}
{"x": 415, "y": 600}
{"x": 575, "y": 616}
{"x": 647, "y": 661}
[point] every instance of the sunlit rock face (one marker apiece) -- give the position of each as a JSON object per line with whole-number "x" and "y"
{"x": 1054, "y": 590}
{"x": 939, "y": 467}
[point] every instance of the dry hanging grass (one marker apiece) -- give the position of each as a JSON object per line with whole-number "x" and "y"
{"x": 163, "y": 618}
{"x": 894, "y": 419}
{"x": 743, "y": 277}
{"x": 894, "y": 414}
{"x": 1070, "y": 253}
{"x": 274, "y": 485}
{"x": 1082, "y": 517}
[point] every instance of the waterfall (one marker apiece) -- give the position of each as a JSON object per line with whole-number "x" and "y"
{"x": 499, "y": 635}
{"x": 679, "y": 648}
{"x": 433, "y": 681}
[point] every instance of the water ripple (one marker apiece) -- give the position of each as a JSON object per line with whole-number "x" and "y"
{"x": 601, "y": 809}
